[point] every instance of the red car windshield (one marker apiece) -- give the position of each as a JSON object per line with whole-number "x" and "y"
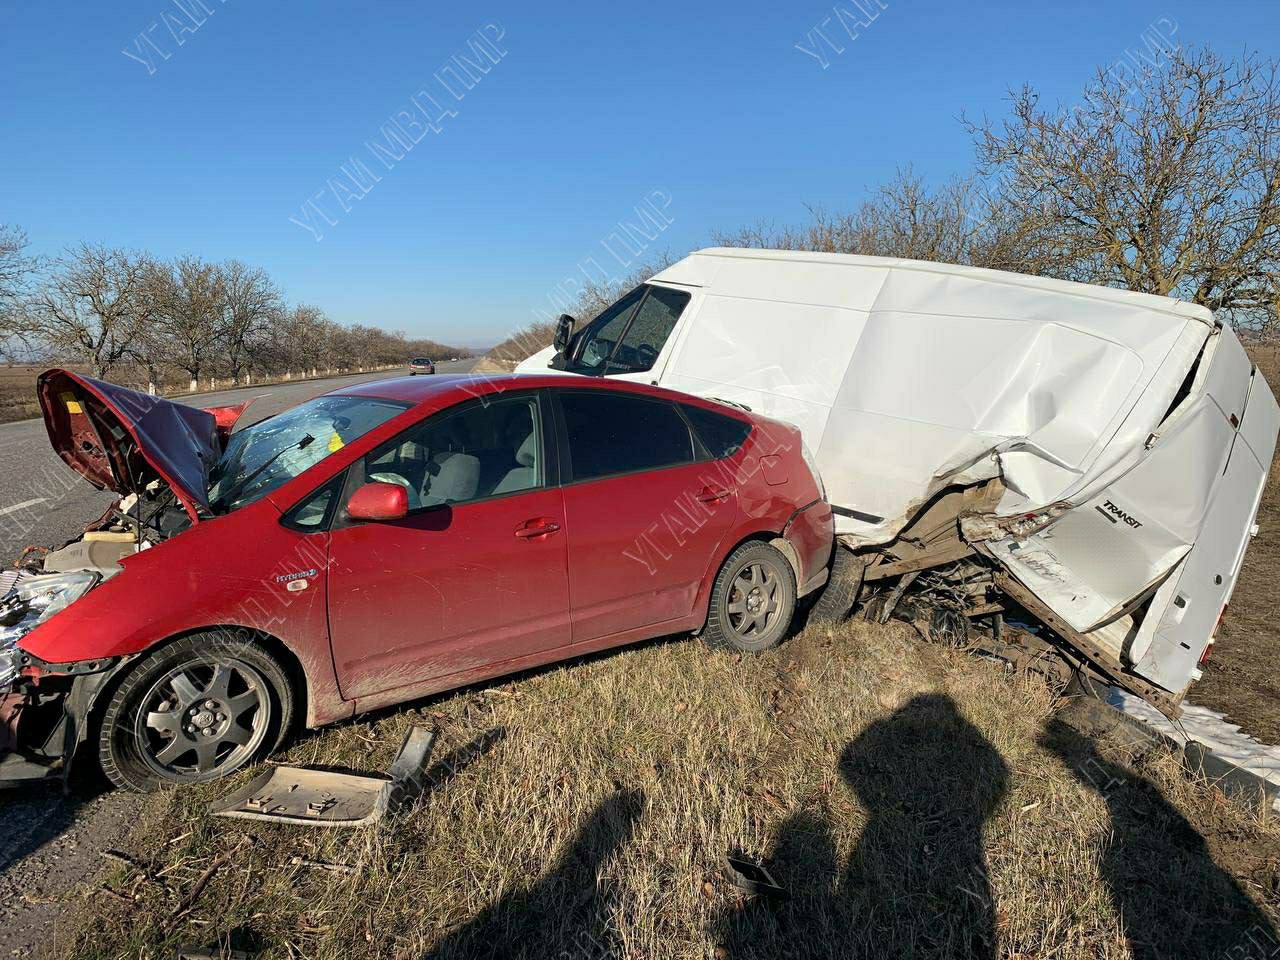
{"x": 270, "y": 453}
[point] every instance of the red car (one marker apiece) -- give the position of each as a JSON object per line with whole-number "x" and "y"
{"x": 377, "y": 545}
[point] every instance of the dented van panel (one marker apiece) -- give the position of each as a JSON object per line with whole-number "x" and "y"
{"x": 1121, "y": 440}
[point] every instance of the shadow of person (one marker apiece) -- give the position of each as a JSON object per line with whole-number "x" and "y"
{"x": 928, "y": 779}
{"x": 916, "y": 885}
{"x": 1172, "y": 899}
{"x": 564, "y": 913}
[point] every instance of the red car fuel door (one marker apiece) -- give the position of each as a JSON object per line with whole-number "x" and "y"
{"x": 474, "y": 576}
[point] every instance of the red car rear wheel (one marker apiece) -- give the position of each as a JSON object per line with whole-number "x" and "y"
{"x": 753, "y": 600}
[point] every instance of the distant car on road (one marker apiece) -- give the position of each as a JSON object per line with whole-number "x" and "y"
{"x": 379, "y": 544}
{"x": 421, "y": 365}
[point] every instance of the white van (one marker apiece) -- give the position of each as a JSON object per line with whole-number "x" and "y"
{"x": 992, "y": 441}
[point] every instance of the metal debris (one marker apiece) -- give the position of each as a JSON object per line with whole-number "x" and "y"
{"x": 331, "y": 798}
{"x": 753, "y": 877}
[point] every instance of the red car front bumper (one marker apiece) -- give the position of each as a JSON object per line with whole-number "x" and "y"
{"x": 43, "y": 721}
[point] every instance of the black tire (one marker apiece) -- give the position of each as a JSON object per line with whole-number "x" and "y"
{"x": 753, "y": 600}
{"x": 194, "y": 710}
{"x": 836, "y": 601}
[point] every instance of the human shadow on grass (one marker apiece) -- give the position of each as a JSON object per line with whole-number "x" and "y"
{"x": 916, "y": 885}
{"x": 563, "y": 913}
{"x": 1171, "y": 898}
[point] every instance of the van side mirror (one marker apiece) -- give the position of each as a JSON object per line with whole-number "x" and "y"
{"x": 379, "y": 501}
{"x": 564, "y": 332}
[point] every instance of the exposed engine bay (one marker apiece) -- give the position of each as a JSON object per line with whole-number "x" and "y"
{"x": 45, "y": 582}
{"x": 43, "y": 716}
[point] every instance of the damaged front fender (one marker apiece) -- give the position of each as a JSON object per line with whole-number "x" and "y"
{"x": 45, "y": 714}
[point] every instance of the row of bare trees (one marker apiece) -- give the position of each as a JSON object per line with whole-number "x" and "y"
{"x": 1165, "y": 181}
{"x": 119, "y": 313}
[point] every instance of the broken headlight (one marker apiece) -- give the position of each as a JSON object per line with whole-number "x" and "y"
{"x": 29, "y": 602}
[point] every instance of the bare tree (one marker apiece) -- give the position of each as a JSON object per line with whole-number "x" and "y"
{"x": 1170, "y": 185}
{"x": 188, "y": 297}
{"x": 250, "y": 303}
{"x": 149, "y": 351}
{"x": 16, "y": 268}
{"x": 91, "y": 306}
{"x": 303, "y": 340}
{"x": 960, "y": 221}
{"x": 15, "y": 265}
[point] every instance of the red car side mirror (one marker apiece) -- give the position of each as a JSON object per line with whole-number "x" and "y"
{"x": 378, "y": 501}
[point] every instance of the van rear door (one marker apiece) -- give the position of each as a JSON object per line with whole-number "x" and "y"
{"x": 1181, "y": 621}
{"x": 1144, "y": 567}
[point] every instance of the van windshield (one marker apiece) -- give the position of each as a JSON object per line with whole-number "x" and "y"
{"x": 628, "y": 336}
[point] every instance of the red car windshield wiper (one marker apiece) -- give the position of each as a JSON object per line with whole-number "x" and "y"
{"x": 230, "y": 496}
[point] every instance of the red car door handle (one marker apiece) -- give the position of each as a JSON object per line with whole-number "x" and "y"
{"x": 541, "y": 527}
{"x": 712, "y": 495}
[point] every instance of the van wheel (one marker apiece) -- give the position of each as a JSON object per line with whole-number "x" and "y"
{"x": 836, "y": 601}
{"x": 195, "y": 710}
{"x": 752, "y": 601}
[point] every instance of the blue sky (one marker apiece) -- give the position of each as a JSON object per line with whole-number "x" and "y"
{"x": 707, "y": 109}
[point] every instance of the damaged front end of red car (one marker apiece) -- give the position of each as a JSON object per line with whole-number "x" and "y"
{"x": 44, "y": 712}
{"x": 156, "y": 454}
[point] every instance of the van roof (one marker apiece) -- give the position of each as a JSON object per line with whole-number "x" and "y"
{"x": 785, "y": 267}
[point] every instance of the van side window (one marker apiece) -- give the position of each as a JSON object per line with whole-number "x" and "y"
{"x": 640, "y": 345}
{"x": 611, "y": 434}
{"x": 603, "y": 333}
{"x": 721, "y": 436}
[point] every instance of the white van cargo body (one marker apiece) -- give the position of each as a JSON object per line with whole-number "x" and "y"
{"x": 1093, "y": 456}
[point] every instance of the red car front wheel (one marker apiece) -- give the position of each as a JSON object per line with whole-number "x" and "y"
{"x": 195, "y": 710}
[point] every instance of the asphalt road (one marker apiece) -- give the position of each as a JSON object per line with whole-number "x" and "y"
{"x": 50, "y": 843}
{"x": 44, "y": 502}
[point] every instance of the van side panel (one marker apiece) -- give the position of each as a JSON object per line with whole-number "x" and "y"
{"x": 752, "y": 352}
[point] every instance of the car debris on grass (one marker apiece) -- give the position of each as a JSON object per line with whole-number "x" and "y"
{"x": 331, "y": 798}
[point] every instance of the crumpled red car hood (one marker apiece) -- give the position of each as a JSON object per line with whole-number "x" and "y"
{"x": 121, "y": 439}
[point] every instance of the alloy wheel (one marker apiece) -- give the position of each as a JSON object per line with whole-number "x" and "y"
{"x": 754, "y": 602}
{"x": 203, "y": 718}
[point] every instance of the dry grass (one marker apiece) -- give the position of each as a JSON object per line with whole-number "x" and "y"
{"x": 18, "y": 392}
{"x": 487, "y": 364}
{"x": 915, "y": 801}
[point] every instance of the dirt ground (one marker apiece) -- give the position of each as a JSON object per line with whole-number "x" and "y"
{"x": 1242, "y": 677}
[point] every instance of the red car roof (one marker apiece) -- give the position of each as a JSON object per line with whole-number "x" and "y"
{"x": 442, "y": 388}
